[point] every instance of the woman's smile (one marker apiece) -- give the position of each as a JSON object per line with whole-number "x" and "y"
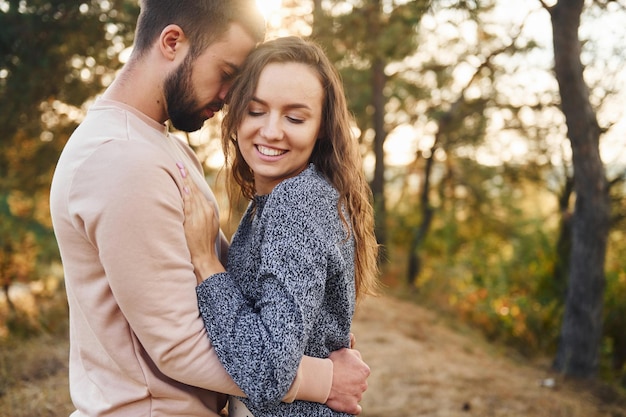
{"x": 264, "y": 150}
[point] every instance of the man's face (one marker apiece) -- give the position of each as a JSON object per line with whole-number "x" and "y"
{"x": 196, "y": 90}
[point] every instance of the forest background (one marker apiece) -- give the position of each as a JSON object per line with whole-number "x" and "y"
{"x": 493, "y": 133}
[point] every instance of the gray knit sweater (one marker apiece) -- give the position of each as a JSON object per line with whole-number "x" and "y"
{"x": 288, "y": 292}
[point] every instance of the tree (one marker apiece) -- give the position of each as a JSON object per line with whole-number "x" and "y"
{"x": 363, "y": 41}
{"x": 581, "y": 332}
{"x": 465, "y": 95}
{"x": 54, "y": 56}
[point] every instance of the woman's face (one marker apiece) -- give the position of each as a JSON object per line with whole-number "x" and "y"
{"x": 278, "y": 132}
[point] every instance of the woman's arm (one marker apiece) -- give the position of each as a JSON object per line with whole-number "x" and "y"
{"x": 341, "y": 380}
{"x": 200, "y": 228}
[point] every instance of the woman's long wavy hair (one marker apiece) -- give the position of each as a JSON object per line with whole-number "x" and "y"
{"x": 336, "y": 153}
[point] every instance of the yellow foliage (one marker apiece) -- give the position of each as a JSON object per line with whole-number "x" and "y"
{"x": 20, "y": 204}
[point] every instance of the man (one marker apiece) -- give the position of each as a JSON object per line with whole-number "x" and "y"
{"x": 137, "y": 344}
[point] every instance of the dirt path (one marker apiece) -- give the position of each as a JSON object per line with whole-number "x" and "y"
{"x": 420, "y": 367}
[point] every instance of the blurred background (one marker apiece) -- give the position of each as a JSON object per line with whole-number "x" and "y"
{"x": 493, "y": 134}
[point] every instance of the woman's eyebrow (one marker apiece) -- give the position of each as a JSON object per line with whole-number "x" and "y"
{"x": 289, "y": 106}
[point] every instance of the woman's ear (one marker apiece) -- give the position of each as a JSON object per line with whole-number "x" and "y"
{"x": 172, "y": 42}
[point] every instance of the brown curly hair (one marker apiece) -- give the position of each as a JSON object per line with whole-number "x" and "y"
{"x": 336, "y": 153}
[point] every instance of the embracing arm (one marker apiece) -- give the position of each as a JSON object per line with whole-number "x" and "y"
{"x": 338, "y": 381}
{"x": 313, "y": 379}
{"x": 138, "y": 233}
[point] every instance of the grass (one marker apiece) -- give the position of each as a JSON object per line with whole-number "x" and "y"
{"x": 33, "y": 377}
{"x": 34, "y": 354}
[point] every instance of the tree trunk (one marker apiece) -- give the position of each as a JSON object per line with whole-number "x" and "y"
{"x": 378, "y": 103}
{"x": 581, "y": 332}
{"x": 414, "y": 261}
{"x": 419, "y": 235}
{"x": 6, "y": 276}
{"x": 5, "y": 290}
{"x": 378, "y": 183}
{"x": 564, "y": 241}
{"x": 318, "y": 13}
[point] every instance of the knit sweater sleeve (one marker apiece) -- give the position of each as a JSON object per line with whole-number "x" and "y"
{"x": 261, "y": 341}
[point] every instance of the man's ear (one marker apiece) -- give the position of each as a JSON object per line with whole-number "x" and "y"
{"x": 171, "y": 42}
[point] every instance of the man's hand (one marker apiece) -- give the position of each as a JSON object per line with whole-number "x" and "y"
{"x": 349, "y": 381}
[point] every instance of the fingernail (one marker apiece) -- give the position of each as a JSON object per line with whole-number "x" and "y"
{"x": 186, "y": 189}
{"x": 182, "y": 169}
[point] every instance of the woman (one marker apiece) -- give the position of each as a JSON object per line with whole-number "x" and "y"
{"x": 305, "y": 249}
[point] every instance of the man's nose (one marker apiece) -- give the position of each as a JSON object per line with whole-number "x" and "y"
{"x": 224, "y": 91}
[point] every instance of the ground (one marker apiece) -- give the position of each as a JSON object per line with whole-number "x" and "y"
{"x": 422, "y": 365}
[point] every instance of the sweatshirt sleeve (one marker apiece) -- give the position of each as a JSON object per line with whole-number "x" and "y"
{"x": 261, "y": 342}
{"x": 127, "y": 200}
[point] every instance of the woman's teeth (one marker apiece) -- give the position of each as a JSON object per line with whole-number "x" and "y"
{"x": 269, "y": 151}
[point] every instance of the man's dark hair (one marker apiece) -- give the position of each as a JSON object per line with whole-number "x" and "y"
{"x": 202, "y": 21}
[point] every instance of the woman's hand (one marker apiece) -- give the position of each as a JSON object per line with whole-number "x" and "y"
{"x": 201, "y": 229}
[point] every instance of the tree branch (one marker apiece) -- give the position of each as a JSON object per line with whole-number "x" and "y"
{"x": 618, "y": 180}
{"x": 546, "y": 6}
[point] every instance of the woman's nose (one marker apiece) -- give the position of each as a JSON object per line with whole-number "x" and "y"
{"x": 271, "y": 129}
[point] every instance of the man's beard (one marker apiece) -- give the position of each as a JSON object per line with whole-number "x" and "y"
{"x": 182, "y": 108}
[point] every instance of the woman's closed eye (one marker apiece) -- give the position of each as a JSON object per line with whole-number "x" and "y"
{"x": 295, "y": 120}
{"x": 290, "y": 118}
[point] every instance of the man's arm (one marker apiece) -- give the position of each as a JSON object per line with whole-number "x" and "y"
{"x": 141, "y": 244}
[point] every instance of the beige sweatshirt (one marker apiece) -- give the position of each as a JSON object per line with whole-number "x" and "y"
{"x": 138, "y": 346}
